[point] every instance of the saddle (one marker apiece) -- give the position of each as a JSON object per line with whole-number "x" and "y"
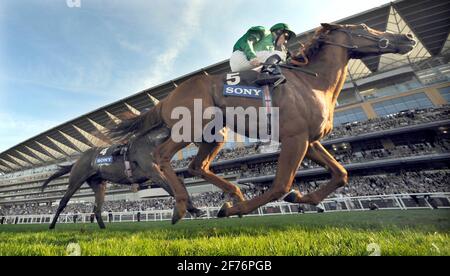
{"x": 116, "y": 150}
{"x": 114, "y": 153}
{"x": 253, "y": 78}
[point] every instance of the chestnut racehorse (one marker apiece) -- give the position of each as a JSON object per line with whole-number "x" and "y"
{"x": 306, "y": 106}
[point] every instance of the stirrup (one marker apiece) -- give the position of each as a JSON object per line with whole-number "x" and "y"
{"x": 280, "y": 81}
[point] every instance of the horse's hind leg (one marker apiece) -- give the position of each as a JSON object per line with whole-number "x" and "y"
{"x": 74, "y": 185}
{"x": 99, "y": 187}
{"x": 200, "y": 167}
{"x": 317, "y": 153}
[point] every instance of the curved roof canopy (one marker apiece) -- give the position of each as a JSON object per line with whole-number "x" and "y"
{"x": 428, "y": 20}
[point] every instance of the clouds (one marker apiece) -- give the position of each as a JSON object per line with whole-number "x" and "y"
{"x": 135, "y": 47}
{"x": 61, "y": 62}
{"x": 57, "y": 63}
{"x": 177, "y": 40}
{"x": 14, "y": 129}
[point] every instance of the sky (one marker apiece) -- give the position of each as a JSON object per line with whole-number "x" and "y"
{"x": 60, "y": 59}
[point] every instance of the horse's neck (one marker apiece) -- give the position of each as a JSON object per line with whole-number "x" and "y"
{"x": 331, "y": 65}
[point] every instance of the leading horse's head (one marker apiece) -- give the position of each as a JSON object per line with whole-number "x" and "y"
{"x": 362, "y": 41}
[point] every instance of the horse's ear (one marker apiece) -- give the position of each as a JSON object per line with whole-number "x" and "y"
{"x": 330, "y": 26}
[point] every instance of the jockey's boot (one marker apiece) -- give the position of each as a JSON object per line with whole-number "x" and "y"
{"x": 271, "y": 73}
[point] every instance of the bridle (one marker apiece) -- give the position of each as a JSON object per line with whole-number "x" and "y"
{"x": 382, "y": 43}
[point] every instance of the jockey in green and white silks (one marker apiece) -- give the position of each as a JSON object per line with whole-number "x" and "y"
{"x": 257, "y": 45}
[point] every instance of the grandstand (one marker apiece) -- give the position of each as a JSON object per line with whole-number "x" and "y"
{"x": 391, "y": 133}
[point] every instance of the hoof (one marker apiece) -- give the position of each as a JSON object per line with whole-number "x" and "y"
{"x": 291, "y": 197}
{"x": 175, "y": 218}
{"x": 198, "y": 213}
{"x": 51, "y": 227}
{"x": 223, "y": 211}
{"x": 177, "y": 214}
{"x": 201, "y": 214}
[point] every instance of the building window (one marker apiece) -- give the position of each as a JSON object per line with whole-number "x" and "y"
{"x": 445, "y": 92}
{"x": 389, "y": 87}
{"x": 347, "y": 96}
{"x": 350, "y": 115}
{"x": 415, "y": 101}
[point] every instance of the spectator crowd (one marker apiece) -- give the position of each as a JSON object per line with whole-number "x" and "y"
{"x": 384, "y": 183}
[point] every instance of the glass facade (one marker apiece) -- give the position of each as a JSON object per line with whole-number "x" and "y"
{"x": 435, "y": 74}
{"x": 415, "y": 101}
{"x": 445, "y": 92}
{"x": 347, "y": 96}
{"x": 391, "y": 87}
{"x": 356, "y": 114}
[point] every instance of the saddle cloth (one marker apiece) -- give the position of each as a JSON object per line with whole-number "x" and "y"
{"x": 109, "y": 155}
{"x": 244, "y": 78}
{"x": 243, "y": 84}
{"x": 114, "y": 153}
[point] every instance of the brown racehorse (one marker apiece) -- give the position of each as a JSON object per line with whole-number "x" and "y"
{"x": 306, "y": 106}
{"x": 85, "y": 169}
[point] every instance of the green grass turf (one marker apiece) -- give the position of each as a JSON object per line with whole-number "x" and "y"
{"x": 412, "y": 232}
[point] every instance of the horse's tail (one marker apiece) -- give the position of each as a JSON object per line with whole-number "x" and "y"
{"x": 62, "y": 171}
{"x": 138, "y": 125}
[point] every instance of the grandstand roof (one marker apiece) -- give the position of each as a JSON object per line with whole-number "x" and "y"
{"x": 428, "y": 20}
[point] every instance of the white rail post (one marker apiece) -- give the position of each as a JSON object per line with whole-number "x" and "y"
{"x": 360, "y": 204}
{"x": 426, "y": 201}
{"x": 402, "y": 204}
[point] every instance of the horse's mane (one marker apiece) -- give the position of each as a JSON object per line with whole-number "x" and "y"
{"x": 123, "y": 131}
{"x": 313, "y": 46}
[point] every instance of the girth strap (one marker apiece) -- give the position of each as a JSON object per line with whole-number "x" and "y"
{"x": 267, "y": 104}
{"x": 128, "y": 172}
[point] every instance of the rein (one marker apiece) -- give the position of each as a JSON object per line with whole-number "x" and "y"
{"x": 309, "y": 72}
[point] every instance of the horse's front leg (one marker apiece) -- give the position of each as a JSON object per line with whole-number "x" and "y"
{"x": 317, "y": 153}
{"x": 200, "y": 167}
{"x": 163, "y": 154}
{"x": 156, "y": 175}
{"x": 293, "y": 150}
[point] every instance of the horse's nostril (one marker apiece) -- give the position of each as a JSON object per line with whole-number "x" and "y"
{"x": 410, "y": 36}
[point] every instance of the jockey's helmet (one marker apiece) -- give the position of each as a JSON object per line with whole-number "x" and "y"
{"x": 279, "y": 28}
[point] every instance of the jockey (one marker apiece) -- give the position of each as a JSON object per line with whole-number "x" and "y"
{"x": 258, "y": 46}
